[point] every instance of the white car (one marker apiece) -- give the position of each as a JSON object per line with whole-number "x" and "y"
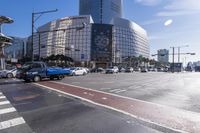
{"x": 75, "y": 71}
{"x": 9, "y": 73}
{"x": 113, "y": 69}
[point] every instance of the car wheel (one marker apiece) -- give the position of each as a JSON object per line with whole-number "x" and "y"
{"x": 36, "y": 79}
{"x": 60, "y": 77}
{"x": 73, "y": 74}
{"x": 51, "y": 78}
{"x": 84, "y": 73}
{"x": 9, "y": 75}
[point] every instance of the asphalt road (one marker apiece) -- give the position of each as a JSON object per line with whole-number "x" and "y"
{"x": 43, "y": 111}
{"x": 179, "y": 90}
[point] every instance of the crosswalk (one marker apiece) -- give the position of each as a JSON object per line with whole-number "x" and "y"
{"x": 10, "y": 120}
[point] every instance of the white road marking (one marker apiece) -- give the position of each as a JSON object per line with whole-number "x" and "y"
{"x": 2, "y": 97}
{"x": 85, "y": 93}
{"x": 104, "y": 98}
{"x": 120, "y": 91}
{"x": 4, "y": 102}
{"x": 90, "y": 94}
{"x": 109, "y": 107}
{"x": 114, "y": 90}
{"x": 7, "y": 110}
{"x": 11, "y": 123}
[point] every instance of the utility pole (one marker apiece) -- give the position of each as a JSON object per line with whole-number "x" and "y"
{"x": 179, "y": 49}
{"x": 32, "y": 28}
{"x": 33, "y": 24}
{"x": 173, "y": 60}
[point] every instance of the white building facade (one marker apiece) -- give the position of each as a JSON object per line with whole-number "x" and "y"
{"x": 65, "y": 36}
{"x": 96, "y": 43}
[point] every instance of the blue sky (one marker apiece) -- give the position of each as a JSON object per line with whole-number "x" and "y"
{"x": 184, "y": 15}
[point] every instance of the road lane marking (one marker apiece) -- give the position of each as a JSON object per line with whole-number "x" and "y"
{"x": 170, "y": 129}
{"x": 114, "y": 90}
{"x": 4, "y": 102}
{"x": 2, "y": 97}
{"x": 7, "y": 110}
{"x": 12, "y": 123}
{"x": 120, "y": 91}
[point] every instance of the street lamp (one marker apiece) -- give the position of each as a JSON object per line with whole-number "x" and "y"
{"x": 33, "y": 23}
{"x": 179, "y": 51}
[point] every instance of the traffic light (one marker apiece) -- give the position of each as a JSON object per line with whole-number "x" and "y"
{"x": 4, "y": 39}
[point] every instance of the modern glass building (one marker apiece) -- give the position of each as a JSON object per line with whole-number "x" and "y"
{"x": 99, "y": 44}
{"x": 16, "y": 50}
{"x": 129, "y": 39}
{"x": 163, "y": 56}
{"x": 74, "y": 41}
{"x": 102, "y": 11}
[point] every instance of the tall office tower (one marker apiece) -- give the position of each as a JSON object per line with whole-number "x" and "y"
{"x": 102, "y": 11}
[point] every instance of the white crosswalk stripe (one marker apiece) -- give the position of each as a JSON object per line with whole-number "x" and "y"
{"x": 4, "y": 102}
{"x": 7, "y": 110}
{"x": 11, "y": 123}
{"x": 2, "y": 97}
{"x": 7, "y": 119}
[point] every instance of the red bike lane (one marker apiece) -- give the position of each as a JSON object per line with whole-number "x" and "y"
{"x": 164, "y": 116}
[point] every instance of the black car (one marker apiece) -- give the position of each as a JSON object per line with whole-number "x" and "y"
{"x": 97, "y": 70}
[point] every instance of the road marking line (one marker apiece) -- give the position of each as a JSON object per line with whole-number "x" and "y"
{"x": 114, "y": 90}
{"x": 112, "y": 108}
{"x": 2, "y": 97}
{"x": 104, "y": 98}
{"x": 12, "y": 123}
{"x": 120, "y": 91}
{"x": 7, "y": 110}
{"x": 4, "y": 102}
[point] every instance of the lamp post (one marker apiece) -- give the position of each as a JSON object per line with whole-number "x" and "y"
{"x": 33, "y": 23}
{"x": 179, "y": 47}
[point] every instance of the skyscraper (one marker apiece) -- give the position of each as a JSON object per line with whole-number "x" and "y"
{"x": 102, "y": 11}
{"x": 163, "y": 56}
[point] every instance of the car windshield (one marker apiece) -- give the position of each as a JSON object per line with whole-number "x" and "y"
{"x": 99, "y": 66}
{"x": 73, "y": 68}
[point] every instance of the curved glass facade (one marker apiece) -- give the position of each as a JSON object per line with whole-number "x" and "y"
{"x": 102, "y": 11}
{"x": 129, "y": 39}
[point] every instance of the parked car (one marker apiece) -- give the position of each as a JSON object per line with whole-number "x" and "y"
{"x": 87, "y": 70}
{"x": 160, "y": 69}
{"x": 75, "y": 71}
{"x": 112, "y": 69}
{"x": 97, "y": 70}
{"x": 144, "y": 70}
{"x": 1, "y": 74}
{"x": 122, "y": 69}
{"x": 137, "y": 69}
{"x": 9, "y": 73}
{"x": 129, "y": 69}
